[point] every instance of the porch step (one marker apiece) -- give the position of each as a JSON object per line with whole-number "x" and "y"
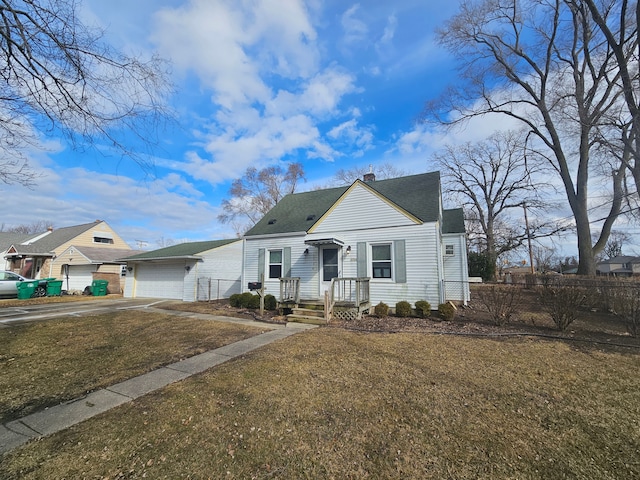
{"x": 307, "y": 315}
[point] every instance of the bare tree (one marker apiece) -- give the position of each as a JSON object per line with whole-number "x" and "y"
{"x": 493, "y": 179}
{"x": 39, "y": 226}
{"x": 619, "y": 22}
{"x": 60, "y": 77}
{"x": 616, "y": 242}
{"x": 257, "y": 192}
{"x": 546, "y": 66}
{"x": 386, "y": 170}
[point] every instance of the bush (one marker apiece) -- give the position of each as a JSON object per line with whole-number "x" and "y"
{"x": 381, "y": 309}
{"x": 562, "y": 302}
{"x": 235, "y": 300}
{"x": 403, "y": 309}
{"x": 270, "y": 302}
{"x": 246, "y": 299}
{"x": 447, "y": 311}
{"x": 625, "y": 303}
{"x": 423, "y": 308}
{"x": 253, "y": 302}
{"x": 500, "y": 301}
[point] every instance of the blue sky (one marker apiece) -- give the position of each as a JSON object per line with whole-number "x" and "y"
{"x": 330, "y": 84}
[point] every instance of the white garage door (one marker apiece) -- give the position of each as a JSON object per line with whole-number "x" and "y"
{"x": 80, "y": 276}
{"x": 159, "y": 281}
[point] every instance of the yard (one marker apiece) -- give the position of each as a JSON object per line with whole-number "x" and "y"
{"x": 335, "y": 403}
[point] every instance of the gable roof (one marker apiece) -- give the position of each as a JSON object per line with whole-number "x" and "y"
{"x": 9, "y": 238}
{"x": 418, "y": 195}
{"x": 99, "y": 255}
{"x": 181, "y": 250}
{"x": 621, "y": 259}
{"x": 47, "y": 244}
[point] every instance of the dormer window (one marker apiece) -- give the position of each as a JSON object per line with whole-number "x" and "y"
{"x": 102, "y": 237}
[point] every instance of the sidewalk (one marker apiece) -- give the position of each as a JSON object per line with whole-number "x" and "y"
{"x": 56, "y": 418}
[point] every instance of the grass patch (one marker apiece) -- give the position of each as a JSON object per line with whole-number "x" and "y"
{"x": 45, "y": 363}
{"x": 334, "y": 404}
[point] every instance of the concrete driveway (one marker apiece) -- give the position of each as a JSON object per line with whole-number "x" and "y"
{"x": 43, "y": 311}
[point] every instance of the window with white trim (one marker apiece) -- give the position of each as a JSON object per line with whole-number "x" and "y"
{"x": 448, "y": 250}
{"x": 275, "y": 263}
{"x": 381, "y": 261}
{"x": 102, "y": 240}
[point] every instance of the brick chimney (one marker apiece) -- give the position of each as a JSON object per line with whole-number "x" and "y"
{"x": 370, "y": 176}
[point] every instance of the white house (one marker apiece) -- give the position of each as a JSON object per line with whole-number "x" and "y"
{"x": 190, "y": 272}
{"x": 373, "y": 241}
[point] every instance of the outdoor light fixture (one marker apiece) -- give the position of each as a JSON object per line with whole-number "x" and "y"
{"x": 306, "y": 251}
{"x": 130, "y": 269}
{"x": 187, "y": 268}
{"x": 348, "y": 249}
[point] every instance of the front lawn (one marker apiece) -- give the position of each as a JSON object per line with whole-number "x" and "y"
{"x": 45, "y": 363}
{"x": 330, "y": 403}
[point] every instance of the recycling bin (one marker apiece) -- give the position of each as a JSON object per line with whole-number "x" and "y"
{"x": 54, "y": 288}
{"x": 26, "y": 289}
{"x": 99, "y": 288}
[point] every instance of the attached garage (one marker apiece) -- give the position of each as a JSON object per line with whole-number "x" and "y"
{"x": 158, "y": 280}
{"x": 80, "y": 276}
{"x": 176, "y": 272}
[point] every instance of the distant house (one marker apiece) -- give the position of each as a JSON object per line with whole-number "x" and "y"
{"x": 188, "y": 271}
{"x": 7, "y": 239}
{"x": 77, "y": 255}
{"x": 372, "y": 241}
{"x": 621, "y": 266}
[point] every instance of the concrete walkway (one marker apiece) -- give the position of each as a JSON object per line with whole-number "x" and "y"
{"x": 59, "y": 417}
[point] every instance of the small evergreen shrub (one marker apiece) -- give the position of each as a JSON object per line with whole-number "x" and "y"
{"x": 381, "y": 309}
{"x": 235, "y": 300}
{"x": 245, "y": 299}
{"x": 403, "y": 309}
{"x": 447, "y": 311}
{"x": 253, "y": 302}
{"x": 270, "y": 302}
{"x": 423, "y": 309}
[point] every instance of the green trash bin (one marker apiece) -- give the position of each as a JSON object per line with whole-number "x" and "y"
{"x": 54, "y": 288}
{"x": 26, "y": 289}
{"x": 99, "y": 288}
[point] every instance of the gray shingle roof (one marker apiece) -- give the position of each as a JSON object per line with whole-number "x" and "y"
{"x": 182, "y": 250}
{"x": 104, "y": 254}
{"x": 453, "y": 221}
{"x": 8, "y": 238}
{"x": 417, "y": 194}
{"x": 47, "y": 244}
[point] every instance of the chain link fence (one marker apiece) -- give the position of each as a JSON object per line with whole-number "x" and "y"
{"x": 210, "y": 289}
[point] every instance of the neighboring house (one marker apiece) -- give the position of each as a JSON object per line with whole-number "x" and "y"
{"x": 7, "y": 239}
{"x": 373, "y": 241}
{"x": 188, "y": 271}
{"x": 54, "y": 254}
{"x": 621, "y": 266}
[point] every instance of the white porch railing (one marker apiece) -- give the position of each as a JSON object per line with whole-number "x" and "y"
{"x": 347, "y": 292}
{"x": 290, "y": 290}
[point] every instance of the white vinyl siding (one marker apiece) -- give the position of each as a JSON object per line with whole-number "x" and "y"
{"x": 456, "y": 283}
{"x": 354, "y": 213}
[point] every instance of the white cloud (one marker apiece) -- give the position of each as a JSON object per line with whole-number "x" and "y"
{"x": 355, "y": 30}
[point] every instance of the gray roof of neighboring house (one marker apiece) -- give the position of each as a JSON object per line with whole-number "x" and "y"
{"x": 47, "y": 244}
{"x": 9, "y": 238}
{"x": 419, "y": 195}
{"x": 181, "y": 250}
{"x": 621, "y": 259}
{"x": 453, "y": 221}
{"x": 104, "y": 254}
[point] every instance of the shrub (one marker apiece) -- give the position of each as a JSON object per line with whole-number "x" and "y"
{"x": 500, "y": 301}
{"x": 270, "y": 302}
{"x": 253, "y": 302}
{"x": 423, "y": 308}
{"x": 562, "y": 302}
{"x": 245, "y": 299}
{"x": 403, "y": 309}
{"x": 235, "y": 300}
{"x": 447, "y": 311}
{"x": 381, "y": 309}
{"x": 625, "y": 303}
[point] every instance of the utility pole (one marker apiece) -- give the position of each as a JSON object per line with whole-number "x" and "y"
{"x": 526, "y": 223}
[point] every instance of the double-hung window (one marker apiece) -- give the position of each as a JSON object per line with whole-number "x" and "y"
{"x": 275, "y": 263}
{"x": 381, "y": 260}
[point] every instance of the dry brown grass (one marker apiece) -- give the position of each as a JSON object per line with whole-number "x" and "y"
{"x": 335, "y": 404}
{"x": 44, "y": 363}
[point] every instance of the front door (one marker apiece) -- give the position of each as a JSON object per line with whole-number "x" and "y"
{"x": 329, "y": 267}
